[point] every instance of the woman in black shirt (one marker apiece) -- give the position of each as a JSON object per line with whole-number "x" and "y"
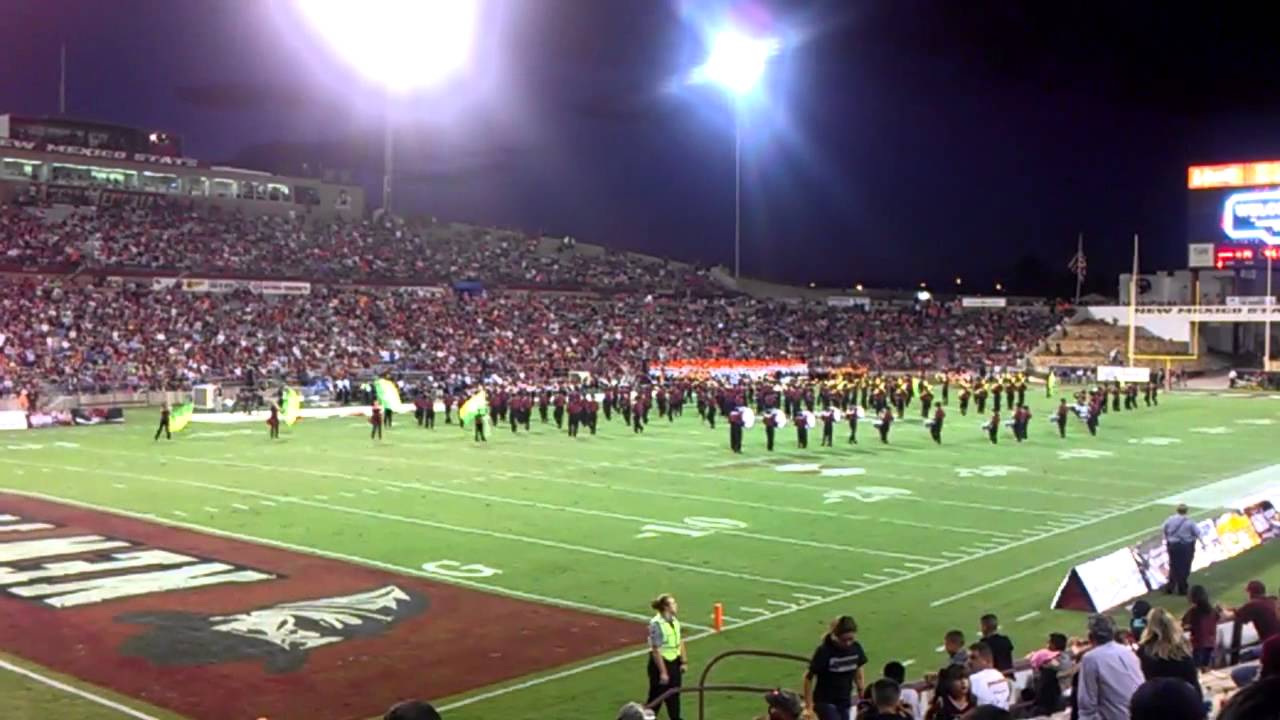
{"x": 835, "y": 672}
{"x": 1165, "y": 652}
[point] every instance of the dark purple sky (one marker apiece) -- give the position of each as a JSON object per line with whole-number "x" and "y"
{"x": 902, "y": 140}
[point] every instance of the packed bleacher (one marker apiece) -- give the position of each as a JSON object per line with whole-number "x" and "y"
{"x": 97, "y": 336}
{"x": 171, "y": 237}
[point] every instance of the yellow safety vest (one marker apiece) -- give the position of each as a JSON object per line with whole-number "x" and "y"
{"x": 670, "y": 649}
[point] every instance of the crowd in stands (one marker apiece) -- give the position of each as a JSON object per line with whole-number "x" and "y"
{"x": 96, "y": 336}
{"x": 170, "y": 237}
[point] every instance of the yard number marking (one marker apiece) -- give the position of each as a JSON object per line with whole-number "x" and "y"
{"x": 453, "y": 568}
{"x": 989, "y": 471}
{"x": 866, "y": 494}
{"x": 694, "y": 527}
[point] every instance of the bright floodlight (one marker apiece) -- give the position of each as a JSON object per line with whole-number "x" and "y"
{"x": 400, "y": 44}
{"x": 737, "y": 61}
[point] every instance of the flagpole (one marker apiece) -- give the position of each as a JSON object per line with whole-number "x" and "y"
{"x": 1133, "y": 302}
{"x": 1079, "y": 275}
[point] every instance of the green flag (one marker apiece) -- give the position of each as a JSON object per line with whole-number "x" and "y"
{"x": 180, "y": 416}
{"x": 1051, "y": 384}
{"x": 387, "y": 393}
{"x": 477, "y": 405}
{"x": 291, "y": 406}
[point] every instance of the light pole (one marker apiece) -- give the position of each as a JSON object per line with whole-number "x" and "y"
{"x": 1270, "y": 307}
{"x": 736, "y": 62}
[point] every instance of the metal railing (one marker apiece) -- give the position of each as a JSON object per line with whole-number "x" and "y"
{"x": 702, "y": 688}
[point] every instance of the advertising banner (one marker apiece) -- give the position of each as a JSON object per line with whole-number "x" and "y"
{"x": 983, "y": 302}
{"x": 1121, "y": 373}
{"x": 97, "y": 153}
{"x": 848, "y": 301}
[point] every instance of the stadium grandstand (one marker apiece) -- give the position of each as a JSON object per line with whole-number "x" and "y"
{"x": 271, "y": 452}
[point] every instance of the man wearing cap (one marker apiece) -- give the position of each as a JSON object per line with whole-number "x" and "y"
{"x": 1109, "y": 674}
{"x": 1180, "y": 536}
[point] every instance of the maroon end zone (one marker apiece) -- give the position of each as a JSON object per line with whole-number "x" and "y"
{"x": 217, "y": 629}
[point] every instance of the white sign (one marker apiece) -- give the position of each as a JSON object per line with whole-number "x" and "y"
{"x": 983, "y": 302}
{"x": 847, "y": 301}
{"x": 258, "y": 287}
{"x": 1211, "y": 313}
{"x": 1113, "y": 373}
{"x": 1249, "y": 300}
{"x": 1200, "y": 255}
{"x": 13, "y": 420}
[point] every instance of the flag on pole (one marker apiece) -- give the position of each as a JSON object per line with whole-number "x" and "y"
{"x": 291, "y": 406}
{"x": 180, "y": 416}
{"x": 1079, "y": 264}
{"x": 388, "y": 394}
{"x": 475, "y": 406}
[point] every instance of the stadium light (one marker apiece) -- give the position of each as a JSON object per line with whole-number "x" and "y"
{"x": 736, "y": 62}
{"x": 402, "y": 45}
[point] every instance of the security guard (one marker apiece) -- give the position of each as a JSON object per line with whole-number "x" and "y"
{"x": 668, "y": 656}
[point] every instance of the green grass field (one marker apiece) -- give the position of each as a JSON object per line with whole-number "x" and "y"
{"x": 912, "y": 539}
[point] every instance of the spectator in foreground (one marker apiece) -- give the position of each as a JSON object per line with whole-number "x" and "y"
{"x": 1201, "y": 620}
{"x": 886, "y": 703}
{"x": 953, "y": 698}
{"x": 988, "y": 684}
{"x": 1109, "y": 674}
{"x": 989, "y": 712}
{"x": 1001, "y": 646}
{"x": 1270, "y": 666}
{"x": 835, "y": 672}
{"x": 1048, "y": 663}
{"x": 1166, "y": 698}
{"x": 897, "y": 672}
{"x": 412, "y": 710}
{"x": 953, "y": 643}
{"x": 635, "y": 711}
{"x": 1258, "y": 701}
{"x": 1259, "y": 610}
{"x": 784, "y": 705}
{"x": 1138, "y": 617}
{"x": 1164, "y": 651}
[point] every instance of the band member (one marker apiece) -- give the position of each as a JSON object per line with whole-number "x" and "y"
{"x": 1062, "y": 417}
{"x": 514, "y": 415}
{"x": 1115, "y": 397}
{"x": 980, "y": 399}
{"x": 1095, "y": 409}
{"x": 770, "y": 428}
{"x": 375, "y": 419}
{"x": 575, "y": 415}
{"x": 1131, "y": 397}
{"x": 448, "y": 409}
{"x": 637, "y": 416}
{"x": 964, "y": 400}
{"x": 543, "y": 401}
{"x": 662, "y": 401}
{"x": 853, "y": 425}
{"x": 559, "y": 410}
{"x": 1146, "y": 394}
{"x": 997, "y": 396}
{"x": 828, "y": 426}
{"x": 993, "y": 427}
{"x": 429, "y": 412}
{"x": 711, "y": 415}
{"x": 164, "y": 423}
{"x": 273, "y": 422}
{"x": 735, "y": 430}
{"x": 946, "y": 388}
{"x": 802, "y": 431}
{"x": 926, "y": 400}
{"x": 1021, "y": 417}
{"x": 479, "y": 422}
{"x": 886, "y": 422}
{"x": 935, "y": 427}
{"x": 1155, "y": 392}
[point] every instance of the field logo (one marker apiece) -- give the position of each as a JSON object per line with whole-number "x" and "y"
{"x": 1215, "y": 430}
{"x": 281, "y": 635}
{"x": 1083, "y": 454}
{"x": 989, "y": 471}
{"x": 1252, "y": 215}
{"x": 1157, "y": 441}
{"x": 866, "y": 494}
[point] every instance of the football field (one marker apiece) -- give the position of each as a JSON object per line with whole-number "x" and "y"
{"x": 911, "y": 538}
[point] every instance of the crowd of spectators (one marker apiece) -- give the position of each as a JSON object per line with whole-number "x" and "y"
{"x": 99, "y": 336}
{"x": 171, "y": 237}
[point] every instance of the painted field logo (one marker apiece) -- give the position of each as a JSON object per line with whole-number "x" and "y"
{"x": 212, "y": 627}
{"x": 281, "y": 635}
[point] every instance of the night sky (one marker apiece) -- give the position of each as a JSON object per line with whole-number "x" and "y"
{"x": 895, "y": 140}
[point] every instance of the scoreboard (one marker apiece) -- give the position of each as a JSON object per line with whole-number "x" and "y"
{"x": 1233, "y": 214}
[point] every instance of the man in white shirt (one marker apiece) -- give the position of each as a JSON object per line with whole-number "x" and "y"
{"x": 987, "y": 684}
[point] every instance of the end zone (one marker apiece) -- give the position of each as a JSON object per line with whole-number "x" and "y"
{"x": 213, "y": 628}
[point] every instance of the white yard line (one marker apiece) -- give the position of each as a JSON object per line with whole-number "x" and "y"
{"x": 1028, "y": 616}
{"x": 238, "y": 506}
{"x": 355, "y": 559}
{"x": 703, "y": 498}
{"x": 85, "y": 694}
{"x": 525, "y": 539}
